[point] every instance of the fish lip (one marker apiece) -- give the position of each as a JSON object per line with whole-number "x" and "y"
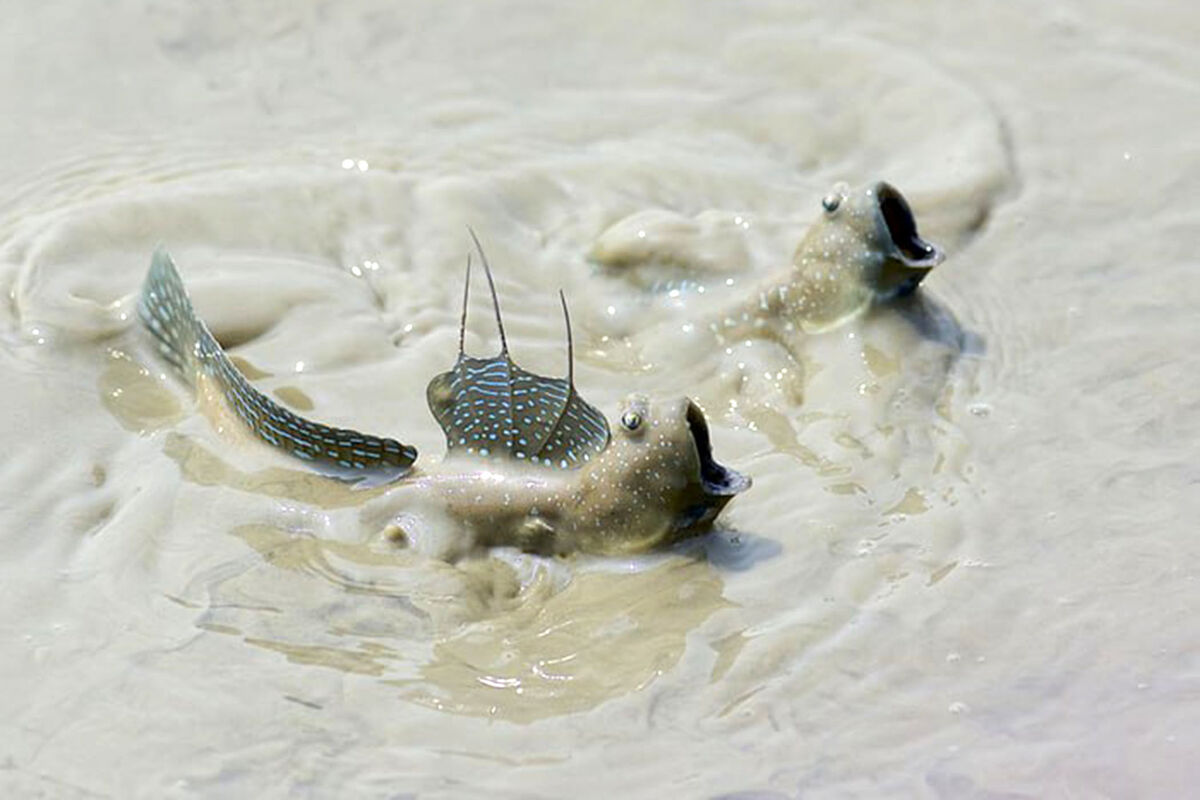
{"x": 912, "y": 250}
{"x": 717, "y": 480}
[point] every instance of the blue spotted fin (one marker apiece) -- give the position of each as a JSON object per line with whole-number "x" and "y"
{"x": 491, "y": 408}
{"x": 185, "y": 341}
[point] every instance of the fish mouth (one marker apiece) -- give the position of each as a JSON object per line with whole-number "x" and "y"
{"x": 717, "y": 479}
{"x": 913, "y": 256}
{"x": 717, "y": 485}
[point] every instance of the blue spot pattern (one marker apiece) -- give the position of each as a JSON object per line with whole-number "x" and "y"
{"x": 490, "y": 407}
{"x": 185, "y": 341}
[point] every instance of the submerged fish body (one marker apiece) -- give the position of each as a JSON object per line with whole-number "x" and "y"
{"x": 863, "y": 249}
{"x": 529, "y": 462}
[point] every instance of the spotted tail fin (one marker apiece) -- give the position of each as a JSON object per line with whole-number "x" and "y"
{"x": 185, "y": 341}
{"x": 167, "y": 313}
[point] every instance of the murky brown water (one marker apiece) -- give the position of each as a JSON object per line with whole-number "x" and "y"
{"x": 967, "y": 566}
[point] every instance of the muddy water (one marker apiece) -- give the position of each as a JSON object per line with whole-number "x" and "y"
{"x": 967, "y": 566}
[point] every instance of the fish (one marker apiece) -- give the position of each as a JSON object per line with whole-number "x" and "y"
{"x": 529, "y": 462}
{"x": 863, "y": 250}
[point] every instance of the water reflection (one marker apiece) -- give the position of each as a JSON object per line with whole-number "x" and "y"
{"x": 605, "y": 635}
{"x": 935, "y": 322}
{"x": 136, "y": 398}
{"x": 201, "y": 466}
{"x": 517, "y": 638}
{"x": 729, "y": 550}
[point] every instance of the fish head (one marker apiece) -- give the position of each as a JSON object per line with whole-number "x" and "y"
{"x": 658, "y": 478}
{"x": 873, "y": 230}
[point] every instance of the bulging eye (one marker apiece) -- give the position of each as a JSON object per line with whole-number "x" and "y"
{"x": 837, "y": 195}
{"x": 632, "y": 420}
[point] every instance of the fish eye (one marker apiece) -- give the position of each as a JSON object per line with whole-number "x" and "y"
{"x": 631, "y": 420}
{"x": 830, "y": 202}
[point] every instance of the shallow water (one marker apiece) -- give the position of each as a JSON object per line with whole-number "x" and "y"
{"x": 967, "y": 565}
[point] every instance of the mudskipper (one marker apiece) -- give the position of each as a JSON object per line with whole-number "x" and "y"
{"x": 529, "y": 462}
{"x": 863, "y": 250}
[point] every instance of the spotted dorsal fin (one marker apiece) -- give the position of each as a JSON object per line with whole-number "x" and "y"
{"x": 491, "y": 408}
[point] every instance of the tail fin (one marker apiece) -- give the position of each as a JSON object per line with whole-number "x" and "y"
{"x": 185, "y": 341}
{"x": 167, "y": 313}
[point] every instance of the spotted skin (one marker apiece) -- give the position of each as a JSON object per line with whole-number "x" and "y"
{"x": 654, "y": 484}
{"x": 185, "y": 342}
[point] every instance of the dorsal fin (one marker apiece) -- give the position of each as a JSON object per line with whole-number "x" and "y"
{"x": 570, "y": 342}
{"x": 462, "y": 325}
{"x": 487, "y": 270}
{"x": 491, "y": 408}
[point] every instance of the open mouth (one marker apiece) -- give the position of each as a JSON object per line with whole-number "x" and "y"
{"x": 717, "y": 480}
{"x": 902, "y": 227}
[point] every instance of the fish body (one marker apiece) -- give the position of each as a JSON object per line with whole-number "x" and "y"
{"x": 529, "y": 462}
{"x": 863, "y": 249}
{"x": 656, "y": 482}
